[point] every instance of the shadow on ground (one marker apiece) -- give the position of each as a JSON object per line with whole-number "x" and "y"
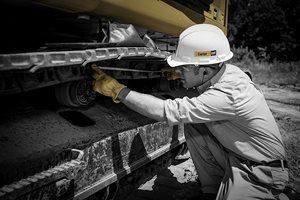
{"x": 178, "y": 182}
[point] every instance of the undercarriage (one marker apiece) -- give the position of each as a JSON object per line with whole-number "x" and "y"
{"x": 58, "y": 138}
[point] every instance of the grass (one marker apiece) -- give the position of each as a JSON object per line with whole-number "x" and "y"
{"x": 268, "y": 73}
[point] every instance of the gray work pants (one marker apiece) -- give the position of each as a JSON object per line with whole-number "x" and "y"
{"x": 221, "y": 172}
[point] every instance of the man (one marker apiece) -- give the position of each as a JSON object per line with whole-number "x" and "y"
{"x": 238, "y": 153}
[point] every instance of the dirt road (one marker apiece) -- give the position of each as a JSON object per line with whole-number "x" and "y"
{"x": 179, "y": 181}
{"x": 285, "y": 106}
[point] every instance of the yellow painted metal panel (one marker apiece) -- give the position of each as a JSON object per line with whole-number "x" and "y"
{"x": 71, "y": 5}
{"x": 171, "y": 18}
{"x": 164, "y": 16}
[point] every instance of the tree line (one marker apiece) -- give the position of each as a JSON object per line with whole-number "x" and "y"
{"x": 268, "y": 26}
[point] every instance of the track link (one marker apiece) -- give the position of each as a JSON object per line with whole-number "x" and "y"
{"x": 28, "y": 71}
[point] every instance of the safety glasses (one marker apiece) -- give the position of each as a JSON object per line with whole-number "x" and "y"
{"x": 191, "y": 67}
{"x": 186, "y": 67}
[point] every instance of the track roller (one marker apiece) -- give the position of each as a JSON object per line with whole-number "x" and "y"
{"x": 76, "y": 93}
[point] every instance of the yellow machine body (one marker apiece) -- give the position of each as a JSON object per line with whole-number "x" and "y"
{"x": 165, "y": 16}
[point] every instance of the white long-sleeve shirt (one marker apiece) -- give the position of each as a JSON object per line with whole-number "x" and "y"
{"x": 235, "y": 112}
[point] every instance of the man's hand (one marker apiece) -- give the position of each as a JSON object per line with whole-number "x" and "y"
{"x": 106, "y": 85}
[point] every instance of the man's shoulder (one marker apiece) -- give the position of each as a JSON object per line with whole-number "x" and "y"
{"x": 233, "y": 70}
{"x": 232, "y": 80}
{"x": 232, "y": 67}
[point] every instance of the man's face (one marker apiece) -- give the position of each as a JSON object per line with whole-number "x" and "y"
{"x": 192, "y": 76}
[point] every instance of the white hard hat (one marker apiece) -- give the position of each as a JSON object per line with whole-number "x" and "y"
{"x": 201, "y": 44}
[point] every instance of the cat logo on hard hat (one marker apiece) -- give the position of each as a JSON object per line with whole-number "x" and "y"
{"x": 205, "y": 53}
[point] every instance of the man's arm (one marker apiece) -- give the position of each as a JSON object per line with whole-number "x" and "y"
{"x": 144, "y": 104}
{"x": 210, "y": 106}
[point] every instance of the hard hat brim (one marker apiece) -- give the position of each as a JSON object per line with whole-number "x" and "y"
{"x": 174, "y": 63}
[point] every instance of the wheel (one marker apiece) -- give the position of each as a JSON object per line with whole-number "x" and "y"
{"x": 76, "y": 93}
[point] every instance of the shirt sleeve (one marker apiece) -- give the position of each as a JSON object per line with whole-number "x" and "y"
{"x": 212, "y": 105}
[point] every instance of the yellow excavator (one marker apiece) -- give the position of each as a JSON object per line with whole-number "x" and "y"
{"x": 58, "y": 139}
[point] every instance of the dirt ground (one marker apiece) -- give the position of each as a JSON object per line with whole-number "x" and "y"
{"x": 285, "y": 106}
{"x": 179, "y": 181}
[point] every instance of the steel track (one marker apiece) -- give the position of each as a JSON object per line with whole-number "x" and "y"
{"x": 29, "y": 71}
{"x": 34, "y": 61}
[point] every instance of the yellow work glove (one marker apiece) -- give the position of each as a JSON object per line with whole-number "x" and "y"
{"x": 106, "y": 85}
{"x": 171, "y": 73}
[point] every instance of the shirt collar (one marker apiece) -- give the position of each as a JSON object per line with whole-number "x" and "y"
{"x": 218, "y": 75}
{"x": 212, "y": 81}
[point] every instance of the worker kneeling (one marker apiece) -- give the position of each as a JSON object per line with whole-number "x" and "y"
{"x": 230, "y": 132}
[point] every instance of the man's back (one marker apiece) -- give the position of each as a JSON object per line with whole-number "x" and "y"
{"x": 252, "y": 132}
{"x": 235, "y": 112}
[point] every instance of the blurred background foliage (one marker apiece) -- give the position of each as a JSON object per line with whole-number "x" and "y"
{"x": 266, "y": 28}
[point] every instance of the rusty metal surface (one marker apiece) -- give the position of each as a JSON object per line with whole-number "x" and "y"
{"x": 41, "y": 134}
{"x": 36, "y": 137}
{"x": 99, "y": 164}
{"x": 113, "y": 158}
{"x": 48, "y": 184}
